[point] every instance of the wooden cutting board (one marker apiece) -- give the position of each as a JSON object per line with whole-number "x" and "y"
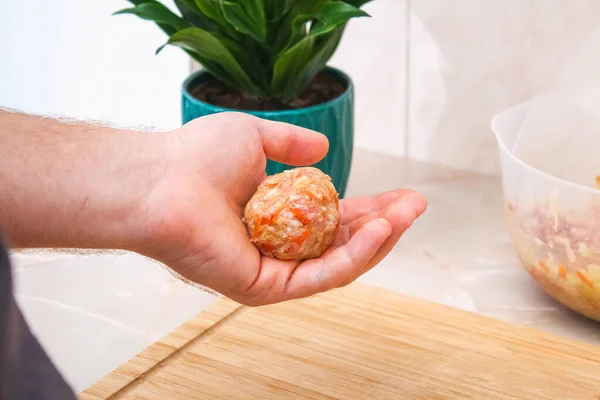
{"x": 358, "y": 342}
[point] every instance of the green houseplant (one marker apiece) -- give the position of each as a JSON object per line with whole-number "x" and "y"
{"x": 267, "y": 58}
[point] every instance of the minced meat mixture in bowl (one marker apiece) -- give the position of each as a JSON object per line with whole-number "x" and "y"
{"x": 550, "y": 167}
{"x": 562, "y": 253}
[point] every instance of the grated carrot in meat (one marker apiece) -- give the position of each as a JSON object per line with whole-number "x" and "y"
{"x": 256, "y": 230}
{"x": 277, "y": 212}
{"x": 268, "y": 247}
{"x": 300, "y": 215}
{"x": 309, "y": 194}
{"x": 584, "y": 279}
{"x": 302, "y": 238}
{"x": 265, "y": 220}
{"x": 563, "y": 271}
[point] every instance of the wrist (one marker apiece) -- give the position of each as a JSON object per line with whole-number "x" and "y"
{"x": 115, "y": 206}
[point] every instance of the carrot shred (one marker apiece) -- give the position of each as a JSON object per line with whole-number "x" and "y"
{"x": 563, "y": 271}
{"x": 302, "y": 238}
{"x": 300, "y": 215}
{"x": 584, "y": 279}
{"x": 544, "y": 266}
{"x": 265, "y": 219}
{"x": 261, "y": 220}
{"x": 256, "y": 230}
{"x": 268, "y": 247}
{"x": 598, "y": 181}
{"x": 276, "y": 213}
{"x": 309, "y": 194}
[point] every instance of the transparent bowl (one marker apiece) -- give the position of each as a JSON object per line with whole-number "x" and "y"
{"x": 550, "y": 159}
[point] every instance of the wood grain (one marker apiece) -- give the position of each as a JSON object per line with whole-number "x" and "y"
{"x": 358, "y": 342}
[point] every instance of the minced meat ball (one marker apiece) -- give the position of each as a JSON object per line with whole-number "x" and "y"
{"x": 293, "y": 215}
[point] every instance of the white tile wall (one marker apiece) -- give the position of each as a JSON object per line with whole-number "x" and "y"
{"x": 373, "y": 53}
{"x": 471, "y": 58}
{"x": 72, "y": 58}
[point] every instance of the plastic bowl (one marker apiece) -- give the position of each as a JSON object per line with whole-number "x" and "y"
{"x": 550, "y": 164}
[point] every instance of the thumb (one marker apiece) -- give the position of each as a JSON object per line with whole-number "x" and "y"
{"x": 291, "y": 144}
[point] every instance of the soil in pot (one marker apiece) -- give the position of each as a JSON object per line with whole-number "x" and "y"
{"x": 323, "y": 88}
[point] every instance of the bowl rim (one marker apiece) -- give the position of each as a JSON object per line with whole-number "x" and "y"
{"x": 505, "y": 150}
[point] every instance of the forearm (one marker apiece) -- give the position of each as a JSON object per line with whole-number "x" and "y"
{"x": 72, "y": 185}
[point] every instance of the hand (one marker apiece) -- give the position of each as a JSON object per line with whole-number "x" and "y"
{"x": 212, "y": 167}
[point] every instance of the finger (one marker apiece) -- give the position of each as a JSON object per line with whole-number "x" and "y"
{"x": 400, "y": 213}
{"x": 291, "y": 144}
{"x": 352, "y": 209}
{"x": 327, "y": 272}
{"x": 269, "y": 284}
{"x": 401, "y": 216}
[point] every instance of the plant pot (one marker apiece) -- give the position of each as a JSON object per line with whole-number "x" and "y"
{"x": 335, "y": 119}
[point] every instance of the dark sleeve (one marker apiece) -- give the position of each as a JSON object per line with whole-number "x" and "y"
{"x": 26, "y": 371}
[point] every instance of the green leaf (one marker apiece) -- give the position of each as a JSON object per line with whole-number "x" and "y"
{"x": 211, "y": 51}
{"x": 334, "y": 14}
{"x": 154, "y": 11}
{"x": 192, "y": 14}
{"x": 168, "y": 29}
{"x": 290, "y": 31}
{"x": 294, "y": 68}
{"x": 357, "y": 3}
{"x": 293, "y": 34}
{"x": 214, "y": 11}
{"x": 270, "y": 48}
{"x": 325, "y": 49}
{"x": 243, "y": 48}
{"x": 289, "y": 66}
{"x": 323, "y": 52}
{"x": 210, "y": 8}
{"x": 307, "y": 6}
{"x": 247, "y": 17}
{"x": 275, "y": 10}
{"x": 249, "y": 60}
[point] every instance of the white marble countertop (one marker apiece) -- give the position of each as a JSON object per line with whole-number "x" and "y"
{"x": 93, "y": 313}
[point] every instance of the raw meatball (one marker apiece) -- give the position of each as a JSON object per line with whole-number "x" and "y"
{"x": 293, "y": 215}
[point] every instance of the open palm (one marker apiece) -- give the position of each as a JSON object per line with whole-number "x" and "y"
{"x": 218, "y": 162}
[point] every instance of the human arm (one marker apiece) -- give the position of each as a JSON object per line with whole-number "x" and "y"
{"x": 70, "y": 184}
{"x": 178, "y": 196}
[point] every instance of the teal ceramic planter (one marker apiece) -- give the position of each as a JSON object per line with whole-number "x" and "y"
{"x": 335, "y": 119}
